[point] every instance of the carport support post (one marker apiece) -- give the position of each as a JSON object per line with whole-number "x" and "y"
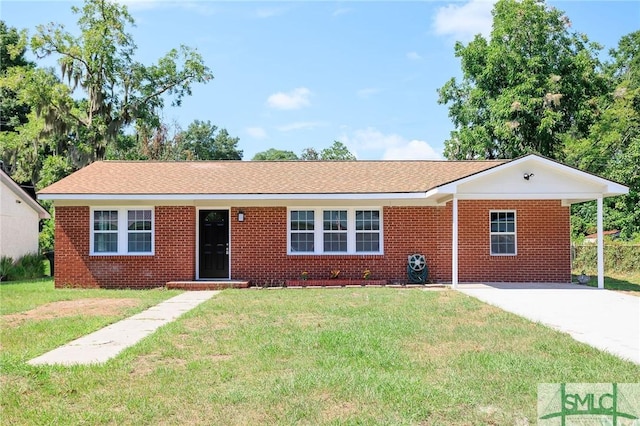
{"x": 454, "y": 244}
{"x": 600, "y": 246}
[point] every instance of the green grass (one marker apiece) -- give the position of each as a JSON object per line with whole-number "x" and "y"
{"x": 20, "y": 296}
{"x": 344, "y": 356}
{"x": 628, "y": 283}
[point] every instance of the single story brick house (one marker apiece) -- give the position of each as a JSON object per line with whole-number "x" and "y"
{"x": 143, "y": 224}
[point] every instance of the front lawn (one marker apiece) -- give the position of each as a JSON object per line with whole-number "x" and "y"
{"x": 339, "y": 356}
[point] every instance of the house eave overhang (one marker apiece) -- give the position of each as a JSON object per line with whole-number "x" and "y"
{"x": 20, "y": 193}
{"x": 592, "y": 188}
{"x": 233, "y": 197}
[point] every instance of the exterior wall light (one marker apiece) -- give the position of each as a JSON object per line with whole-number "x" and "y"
{"x": 528, "y": 176}
{"x": 241, "y": 216}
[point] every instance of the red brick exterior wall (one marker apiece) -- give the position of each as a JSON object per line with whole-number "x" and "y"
{"x": 543, "y": 242}
{"x": 259, "y": 247}
{"x": 174, "y": 258}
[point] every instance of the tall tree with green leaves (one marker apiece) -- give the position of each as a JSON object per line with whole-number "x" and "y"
{"x": 118, "y": 90}
{"x": 203, "y": 141}
{"x": 273, "y": 154}
{"x": 612, "y": 146}
{"x": 13, "y": 113}
{"x": 337, "y": 152}
{"x": 525, "y": 89}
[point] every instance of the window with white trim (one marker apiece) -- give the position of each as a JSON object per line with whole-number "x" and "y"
{"x": 335, "y": 231}
{"x": 503, "y": 232}
{"x": 122, "y": 231}
{"x": 302, "y": 231}
{"x": 335, "y": 227}
{"x": 367, "y": 230}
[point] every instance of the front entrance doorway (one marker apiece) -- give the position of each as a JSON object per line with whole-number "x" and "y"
{"x": 213, "y": 244}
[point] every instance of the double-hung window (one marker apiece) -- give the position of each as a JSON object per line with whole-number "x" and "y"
{"x": 503, "y": 233}
{"x": 335, "y": 227}
{"x": 302, "y": 231}
{"x": 105, "y": 231}
{"x": 122, "y": 231}
{"x": 139, "y": 234}
{"x": 335, "y": 231}
{"x": 367, "y": 230}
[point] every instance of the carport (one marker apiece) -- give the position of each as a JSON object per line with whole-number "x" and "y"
{"x": 529, "y": 178}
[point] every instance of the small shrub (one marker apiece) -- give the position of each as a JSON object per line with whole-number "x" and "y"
{"x": 6, "y": 267}
{"x": 618, "y": 256}
{"x": 33, "y": 265}
{"x": 27, "y": 267}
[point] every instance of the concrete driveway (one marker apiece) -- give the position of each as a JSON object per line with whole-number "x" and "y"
{"x": 604, "y": 319}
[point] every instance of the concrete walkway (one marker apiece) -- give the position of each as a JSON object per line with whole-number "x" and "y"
{"x": 104, "y": 344}
{"x": 604, "y": 319}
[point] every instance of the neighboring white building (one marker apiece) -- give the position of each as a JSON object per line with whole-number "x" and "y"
{"x": 19, "y": 219}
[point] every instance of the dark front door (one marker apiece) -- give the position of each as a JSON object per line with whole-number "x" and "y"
{"x": 214, "y": 244}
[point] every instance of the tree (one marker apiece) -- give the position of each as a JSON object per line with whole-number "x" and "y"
{"x": 12, "y": 50}
{"x": 310, "y": 154}
{"x": 273, "y": 154}
{"x": 612, "y": 146}
{"x": 203, "y": 141}
{"x": 119, "y": 91}
{"x": 526, "y": 89}
{"x": 336, "y": 152}
{"x": 24, "y": 147}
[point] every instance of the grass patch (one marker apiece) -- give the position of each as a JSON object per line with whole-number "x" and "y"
{"x": 626, "y": 282}
{"x": 349, "y": 356}
{"x": 36, "y": 317}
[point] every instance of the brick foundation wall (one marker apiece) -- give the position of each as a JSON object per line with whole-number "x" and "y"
{"x": 174, "y": 258}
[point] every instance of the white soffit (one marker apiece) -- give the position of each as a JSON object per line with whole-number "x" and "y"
{"x": 531, "y": 177}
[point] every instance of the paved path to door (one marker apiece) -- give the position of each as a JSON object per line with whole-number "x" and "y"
{"x": 604, "y": 319}
{"x": 104, "y": 344}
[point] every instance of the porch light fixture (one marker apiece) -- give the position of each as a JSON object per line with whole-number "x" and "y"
{"x": 241, "y": 216}
{"x": 528, "y": 176}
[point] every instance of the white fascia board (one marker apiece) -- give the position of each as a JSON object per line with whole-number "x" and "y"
{"x": 231, "y": 197}
{"x": 19, "y": 192}
{"x": 539, "y": 196}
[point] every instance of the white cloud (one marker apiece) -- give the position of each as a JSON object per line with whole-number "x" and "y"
{"x": 367, "y": 92}
{"x": 389, "y": 146}
{"x": 300, "y": 125}
{"x": 413, "y": 150}
{"x": 256, "y": 132}
{"x": 295, "y": 99}
{"x": 414, "y": 56}
{"x": 463, "y": 21}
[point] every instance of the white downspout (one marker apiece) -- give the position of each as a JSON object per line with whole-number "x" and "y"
{"x": 600, "y": 246}
{"x": 454, "y": 244}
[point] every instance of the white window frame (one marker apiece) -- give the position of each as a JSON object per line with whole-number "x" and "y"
{"x": 514, "y": 233}
{"x": 122, "y": 232}
{"x": 318, "y": 231}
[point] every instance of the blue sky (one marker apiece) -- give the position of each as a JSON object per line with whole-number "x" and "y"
{"x": 291, "y": 75}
